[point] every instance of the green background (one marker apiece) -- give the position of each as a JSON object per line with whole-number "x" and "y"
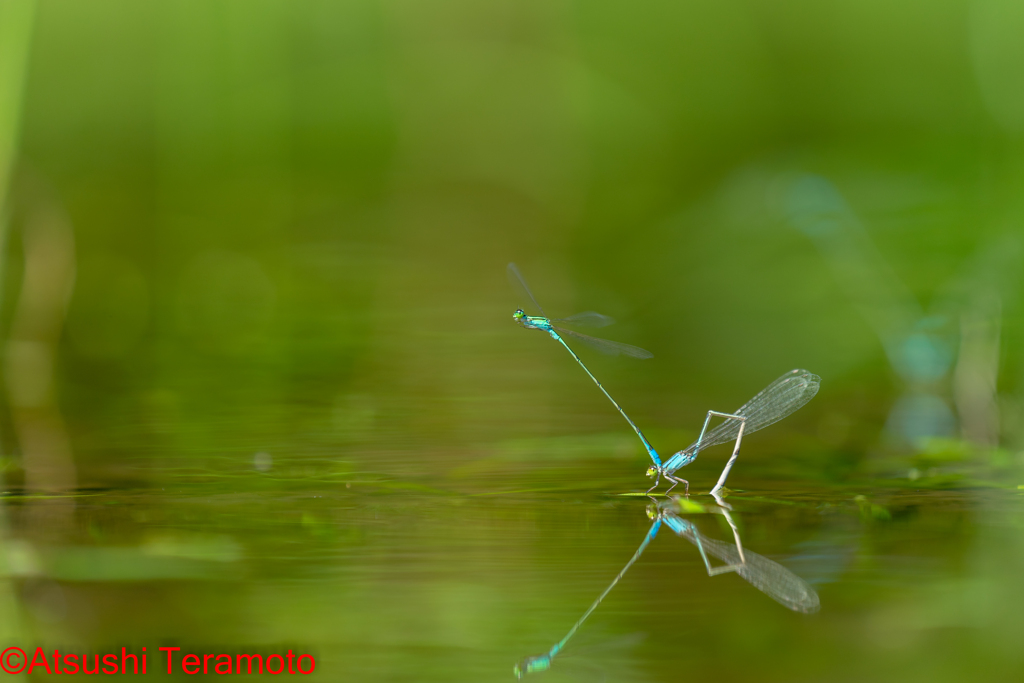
{"x": 261, "y": 374}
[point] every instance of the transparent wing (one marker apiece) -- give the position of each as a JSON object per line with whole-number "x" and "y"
{"x": 771, "y": 578}
{"x": 782, "y": 397}
{"x": 515, "y": 278}
{"x": 606, "y": 346}
{"x": 586, "y": 319}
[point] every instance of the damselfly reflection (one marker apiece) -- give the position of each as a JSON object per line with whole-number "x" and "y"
{"x": 782, "y": 397}
{"x": 769, "y": 577}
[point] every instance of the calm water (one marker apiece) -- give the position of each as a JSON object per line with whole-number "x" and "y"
{"x": 389, "y": 583}
{"x": 255, "y": 328}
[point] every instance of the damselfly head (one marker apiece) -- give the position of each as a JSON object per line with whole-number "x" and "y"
{"x": 519, "y": 315}
{"x": 652, "y": 511}
{"x": 651, "y": 471}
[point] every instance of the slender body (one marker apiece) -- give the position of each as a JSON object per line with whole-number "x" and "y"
{"x": 543, "y": 662}
{"x": 780, "y": 398}
{"x": 538, "y": 323}
{"x": 769, "y": 577}
{"x": 588, "y": 318}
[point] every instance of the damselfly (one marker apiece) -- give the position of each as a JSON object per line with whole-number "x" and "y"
{"x": 769, "y": 577}
{"x": 780, "y": 398}
{"x": 556, "y": 328}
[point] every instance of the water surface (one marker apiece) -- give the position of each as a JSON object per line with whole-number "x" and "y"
{"x": 390, "y": 583}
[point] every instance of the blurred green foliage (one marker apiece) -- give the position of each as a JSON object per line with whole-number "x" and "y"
{"x": 290, "y": 225}
{"x": 291, "y": 218}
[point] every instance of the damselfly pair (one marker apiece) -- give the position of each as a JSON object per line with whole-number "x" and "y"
{"x": 771, "y": 578}
{"x": 780, "y": 398}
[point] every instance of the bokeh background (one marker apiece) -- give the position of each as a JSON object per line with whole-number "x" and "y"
{"x": 254, "y": 253}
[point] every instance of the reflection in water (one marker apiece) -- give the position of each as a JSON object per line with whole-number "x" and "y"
{"x": 769, "y": 577}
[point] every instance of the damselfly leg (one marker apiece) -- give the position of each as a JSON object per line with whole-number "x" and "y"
{"x": 735, "y": 451}
{"x": 675, "y": 482}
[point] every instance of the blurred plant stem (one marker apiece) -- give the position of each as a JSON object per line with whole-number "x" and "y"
{"x": 46, "y": 285}
{"x": 15, "y": 35}
{"x": 49, "y": 269}
{"x": 31, "y": 355}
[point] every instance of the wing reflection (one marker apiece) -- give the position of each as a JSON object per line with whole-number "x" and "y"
{"x": 769, "y": 577}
